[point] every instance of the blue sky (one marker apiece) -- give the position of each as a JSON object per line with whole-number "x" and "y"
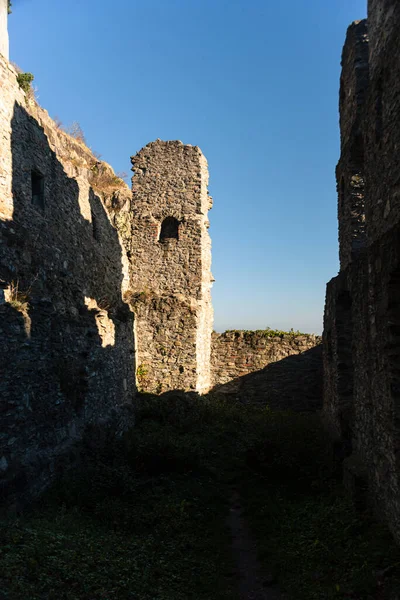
{"x": 254, "y": 83}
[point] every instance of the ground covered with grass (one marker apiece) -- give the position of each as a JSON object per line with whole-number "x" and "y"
{"x": 145, "y": 517}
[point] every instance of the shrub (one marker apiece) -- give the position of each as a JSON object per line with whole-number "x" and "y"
{"x": 25, "y": 81}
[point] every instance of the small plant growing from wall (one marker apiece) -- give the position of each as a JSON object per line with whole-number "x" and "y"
{"x": 25, "y": 81}
{"x": 9, "y": 5}
{"x": 104, "y": 180}
{"x": 17, "y": 298}
{"x": 141, "y": 375}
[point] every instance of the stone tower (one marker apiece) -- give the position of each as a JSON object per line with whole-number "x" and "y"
{"x": 4, "y": 28}
{"x": 170, "y": 256}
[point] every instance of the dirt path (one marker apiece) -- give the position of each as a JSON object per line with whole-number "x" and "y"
{"x": 253, "y": 583}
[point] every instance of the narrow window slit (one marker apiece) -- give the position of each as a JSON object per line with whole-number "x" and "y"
{"x": 37, "y": 181}
{"x": 95, "y": 227}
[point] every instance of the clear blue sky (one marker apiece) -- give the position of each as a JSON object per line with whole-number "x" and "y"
{"x": 254, "y": 83}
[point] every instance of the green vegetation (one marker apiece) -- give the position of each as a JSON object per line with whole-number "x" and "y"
{"x": 144, "y": 517}
{"x": 309, "y": 533}
{"x": 25, "y": 81}
{"x": 103, "y": 179}
{"x": 267, "y": 332}
{"x": 9, "y": 6}
{"x": 141, "y": 374}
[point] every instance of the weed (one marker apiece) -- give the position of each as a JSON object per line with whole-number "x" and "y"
{"x": 58, "y": 123}
{"x": 24, "y": 81}
{"x": 122, "y": 175}
{"x": 76, "y": 131}
{"x": 268, "y": 332}
{"x": 141, "y": 375}
{"x": 144, "y": 515}
{"x": 17, "y": 298}
{"x": 104, "y": 304}
{"x": 97, "y": 155}
{"x": 104, "y": 180}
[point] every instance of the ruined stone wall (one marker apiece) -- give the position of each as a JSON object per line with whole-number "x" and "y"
{"x": 170, "y": 261}
{"x": 3, "y": 28}
{"x": 253, "y": 366}
{"x": 361, "y": 369}
{"x": 66, "y": 334}
{"x": 381, "y": 122}
{"x": 350, "y": 172}
{"x": 362, "y": 323}
{"x": 338, "y": 361}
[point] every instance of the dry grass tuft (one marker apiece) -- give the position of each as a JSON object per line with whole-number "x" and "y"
{"x": 75, "y": 131}
{"x": 17, "y": 298}
{"x": 104, "y": 180}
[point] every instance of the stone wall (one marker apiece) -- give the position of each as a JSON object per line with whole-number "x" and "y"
{"x": 4, "y": 28}
{"x": 66, "y": 334}
{"x": 170, "y": 267}
{"x": 284, "y": 371}
{"x": 338, "y": 361}
{"x": 350, "y": 172}
{"x": 381, "y": 123}
{"x": 362, "y": 313}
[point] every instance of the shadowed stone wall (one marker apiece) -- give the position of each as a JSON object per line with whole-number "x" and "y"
{"x": 350, "y": 172}
{"x": 66, "y": 334}
{"x": 362, "y": 312}
{"x": 237, "y": 353}
{"x": 254, "y": 367}
{"x": 170, "y": 275}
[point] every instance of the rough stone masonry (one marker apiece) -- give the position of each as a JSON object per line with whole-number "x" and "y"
{"x": 103, "y": 290}
{"x": 66, "y": 332}
{"x": 362, "y": 312}
{"x": 3, "y": 28}
{"x": 80, "y": 256}
{"x": 170, "y": 276}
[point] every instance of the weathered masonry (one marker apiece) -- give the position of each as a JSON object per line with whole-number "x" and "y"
{"x": 362, "y": 313}
{"x": 104, "y": 289}
{"x": 3, "y": 28}
{"x": 283, "y": 371}
{"x": 170, "y": 276}
{"x": 66, "y": 332}
{"x": 100, "y": 287}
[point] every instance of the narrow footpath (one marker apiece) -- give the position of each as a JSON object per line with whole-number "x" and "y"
{"x": 253, "y": 583}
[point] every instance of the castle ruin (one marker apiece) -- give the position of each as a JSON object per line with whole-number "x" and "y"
{"x": 4, "y": 45}
{"x": 362, "y": 312}
{"x": 170, "y": 258}
{"x": 106, "y": 290}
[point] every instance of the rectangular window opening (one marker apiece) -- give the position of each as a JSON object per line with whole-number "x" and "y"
{"x": 37, "y": 190}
